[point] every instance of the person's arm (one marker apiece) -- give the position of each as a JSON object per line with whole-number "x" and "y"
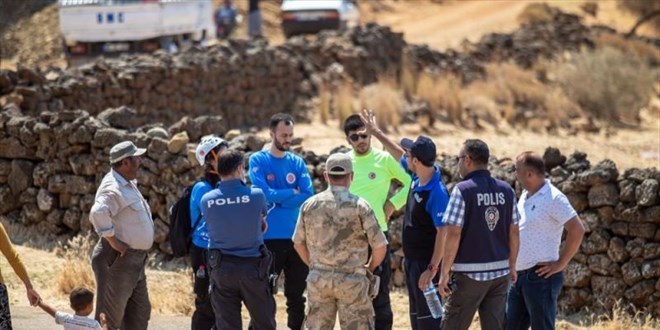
{"x": 302, "y": 252}
{"x": 453, "y": 220}
{"x": 305, "y": 188}
{"x": 375, "y": 237}
{"x": 106, "y": 205}
{"x": 46, "y": 308}
{"x": 435, "y": 206}
{"x": 377, "y": 257}
{"x": 258, "y": 178}
{"x": 369, "y": 120}
{"x": 396, "y": 171}
{"x": 514, "y": 245}
{"x": 574, "y": 234}
{"x": 451, "y": 248}
{"x": 564, "y": 214}
{"x": 17, "y": 265}
{"x": 300, "y": 237}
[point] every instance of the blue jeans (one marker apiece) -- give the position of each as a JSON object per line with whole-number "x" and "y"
{"x": 533, "y": 301}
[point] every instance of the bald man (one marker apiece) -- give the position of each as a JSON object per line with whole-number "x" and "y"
{"x": 544, "y": 214}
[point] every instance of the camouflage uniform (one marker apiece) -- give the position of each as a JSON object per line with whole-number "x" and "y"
{"x": 337, "y": 227}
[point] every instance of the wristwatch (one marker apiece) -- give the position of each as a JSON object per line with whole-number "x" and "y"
{"x": 432, "y": 268}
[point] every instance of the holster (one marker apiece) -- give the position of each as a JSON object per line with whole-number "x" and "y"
{"x": 266, "y": 268}
{"x": 214, "y": 259}
{"x": 374, "y": 284}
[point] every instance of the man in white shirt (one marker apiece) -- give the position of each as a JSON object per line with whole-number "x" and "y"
{"x": 544, "y": 214}
{"x": 122, "y": 218}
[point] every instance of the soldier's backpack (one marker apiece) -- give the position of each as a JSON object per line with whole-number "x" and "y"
{"x": 181, "y": 231}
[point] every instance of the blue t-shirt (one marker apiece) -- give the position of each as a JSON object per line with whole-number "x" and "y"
{"x": 423, "y": 213}
{"x": 200, "y": 236}
{"x": 278, "y": 177}
{"x": 233, "y": 215}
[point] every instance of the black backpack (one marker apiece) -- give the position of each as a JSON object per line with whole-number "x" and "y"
{"x": 180, "y": 235}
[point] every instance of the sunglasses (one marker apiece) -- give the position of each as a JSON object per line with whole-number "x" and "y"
{"x": 460, "y": 157}
{"x": 356, "y": 137}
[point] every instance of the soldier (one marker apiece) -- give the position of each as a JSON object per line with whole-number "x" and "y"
{"x": 333, "y": 233}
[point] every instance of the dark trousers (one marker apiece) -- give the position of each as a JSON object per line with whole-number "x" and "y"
{"x": 468, "y": 296}
{"x": 382, "y": 304}
{"x": 203, "y": 317}
{"x": 121, "y": 287}
{"x": 5, "y": 316}
{"x": 286, "y": 259}
{"x": 234, "y": 282}
{"x": 420, "y": 315}
{"x": 533, "y": 301}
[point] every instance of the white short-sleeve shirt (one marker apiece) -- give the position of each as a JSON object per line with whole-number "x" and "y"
{"x": 76, "y": 322}
{"x": 542, "y": 219}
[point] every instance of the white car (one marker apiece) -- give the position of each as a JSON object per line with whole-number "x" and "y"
{"x": 311, "y": 16}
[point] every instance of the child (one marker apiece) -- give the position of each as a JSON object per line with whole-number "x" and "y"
{"x": 82, "y": 302}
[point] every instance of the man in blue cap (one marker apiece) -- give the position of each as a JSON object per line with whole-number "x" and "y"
{"x": 423, "y": 231}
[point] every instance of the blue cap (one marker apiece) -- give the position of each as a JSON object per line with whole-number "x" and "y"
{"x": 423, "y": 149}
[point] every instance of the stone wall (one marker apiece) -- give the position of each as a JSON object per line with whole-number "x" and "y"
{"x": 50, "y": 167}
{"x": 245, "y": 82}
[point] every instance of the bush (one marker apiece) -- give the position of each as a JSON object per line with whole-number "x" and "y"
{"x": 608, "y": 84}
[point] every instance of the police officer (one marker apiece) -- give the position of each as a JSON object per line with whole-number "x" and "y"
{"x": 332, "y": 236}
{"x": 239, "y": 261}
{"x": 481, "y": 244}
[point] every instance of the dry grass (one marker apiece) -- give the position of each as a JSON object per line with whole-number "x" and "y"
{"x": 385, "y": 100}
{"x": 409, "y": 75}
{"x": 442, "y": 93}
{"x": 76, "y": 270}
{"x": 608, "y": 84}
{"x": 324, "y": 103}
{"x": 636, "y": 48}
{"x": 344, "y": 102}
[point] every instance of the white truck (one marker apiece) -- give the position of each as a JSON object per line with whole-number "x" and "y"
{"x": 92, "y": 27}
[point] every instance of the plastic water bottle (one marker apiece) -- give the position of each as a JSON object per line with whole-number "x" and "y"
{"x": 433, "y": 301}
{"x": 201, "y": 272}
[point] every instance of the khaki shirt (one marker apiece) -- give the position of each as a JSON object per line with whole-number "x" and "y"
{"x": 337, "y": 228}
{"x": 120, "y": 210}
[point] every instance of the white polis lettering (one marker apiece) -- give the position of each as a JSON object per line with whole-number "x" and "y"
{"x": 228, "y": 201}
{"x": 491, "y": 199}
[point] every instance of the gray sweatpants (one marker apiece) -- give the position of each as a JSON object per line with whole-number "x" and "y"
{"x": 121, "y": 287}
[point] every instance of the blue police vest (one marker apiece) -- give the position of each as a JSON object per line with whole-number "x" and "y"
{"x": 233, "y": 215}
{"x": 489, "y": 204}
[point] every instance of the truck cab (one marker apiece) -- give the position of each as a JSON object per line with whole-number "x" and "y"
{"x": 107, "y": 26}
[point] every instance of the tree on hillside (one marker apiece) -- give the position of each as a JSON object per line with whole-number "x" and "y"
{"x": 646, "y": 10}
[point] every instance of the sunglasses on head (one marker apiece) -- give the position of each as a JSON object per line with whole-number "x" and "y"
{"x": 355, "y": 137}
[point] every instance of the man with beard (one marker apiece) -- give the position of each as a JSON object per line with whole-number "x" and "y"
{"x": 284, "y": 179}
{"x": 373, "y": 173}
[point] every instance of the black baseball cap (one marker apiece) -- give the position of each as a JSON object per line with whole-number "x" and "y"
{"x": 423, "y": 149}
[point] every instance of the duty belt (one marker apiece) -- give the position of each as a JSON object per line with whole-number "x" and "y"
{"x": 342, "y": 270}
